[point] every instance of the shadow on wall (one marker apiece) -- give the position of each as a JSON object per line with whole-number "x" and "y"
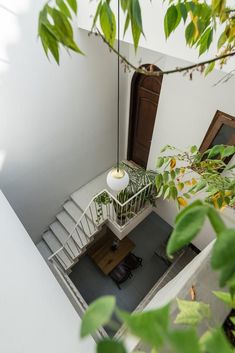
{"x": 57, "y": 124}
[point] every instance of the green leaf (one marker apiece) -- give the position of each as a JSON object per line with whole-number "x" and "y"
{"x": 124, "y": 5}
{"x": 63, "y": 7}
{"x": 160, "y": 162}
{"x": 192, "y": 312}
{"x": 226, "y": 298}
{"x": 108, "y": 23}
{"x": 96, "y": 14}
{"x": 228, "y": 151}
{"x": 222, "y": 39}
{"x": 73, "y": 5}
{"x": 183, "y": 10}
{"x": 216, "y": 221}
{"x": 186, "y": 210}
{"x": 215, "y": 151}
{"x": 186, "y": 228}
{"x": 158, "y": 181}
{"x": 97, "y": 315}
{"x": 189, "y": 33}
{"x": 205, "y": 41}
{"x": 160, "y": 192}
{"x": 173, "y": 192}
{"x": 136, "y": 32}
{"x": 167, "y": 193}
{"x": 170, "y": 20}
{"x": 127, "y": 22}
{"x": 184, "y": 341}
{"x": 150, "y": 326}
{"x": 210, "y": 68}
{"x": 49, "y": 42}
{"x": 193, "y": 149}
{"x": 173, "y": 175}
{"x": 223, "y": 252}
{"x": 226, "y": 274}
{"x": 136, "y": 14}
{"x": 217, "y": 343}
{"x": 199, "y": 186}
{"x": 63, "y": 30}
{"x": 110, "y": 346}
{"x": 165, "y": 148}
{"x": 165, "y": 176}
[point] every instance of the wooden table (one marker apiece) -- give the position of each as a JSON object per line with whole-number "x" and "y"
{"x": 106, "y": 258}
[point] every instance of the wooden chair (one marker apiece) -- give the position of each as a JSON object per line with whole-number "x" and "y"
{"x": 132, "y": 261}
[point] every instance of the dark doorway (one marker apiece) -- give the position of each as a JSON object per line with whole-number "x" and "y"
{"x": 145, "y": 92}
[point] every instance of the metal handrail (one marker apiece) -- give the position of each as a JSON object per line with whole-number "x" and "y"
{"x": 88, "y": 207}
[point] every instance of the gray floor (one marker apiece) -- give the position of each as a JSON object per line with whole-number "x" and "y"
{"x": 92, "y": 284}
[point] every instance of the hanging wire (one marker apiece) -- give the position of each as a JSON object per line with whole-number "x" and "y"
{"x": 118, "y": 87}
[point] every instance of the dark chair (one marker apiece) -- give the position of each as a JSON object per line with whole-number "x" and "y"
{"x": 120, "y": 274}
{"x": 132, "y": 261}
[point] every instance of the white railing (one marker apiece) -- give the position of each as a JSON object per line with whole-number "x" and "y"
{"x": 105, "y": 206}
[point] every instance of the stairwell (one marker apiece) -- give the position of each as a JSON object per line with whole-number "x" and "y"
{"x": 81, "y": 218}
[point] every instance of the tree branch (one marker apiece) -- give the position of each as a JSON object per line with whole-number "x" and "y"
{"x": 161, "y": 73}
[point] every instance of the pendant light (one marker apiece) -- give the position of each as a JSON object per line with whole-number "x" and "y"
{"x": 117, "y": 178}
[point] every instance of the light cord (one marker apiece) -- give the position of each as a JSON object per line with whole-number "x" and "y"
{"x": 118, "y": 87}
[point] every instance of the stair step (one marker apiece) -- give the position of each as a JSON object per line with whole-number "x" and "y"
{"x": 86, "y": 222}
{"x": 62, "y": 235}
{"x": 54, "y": 244}
{"x": 44, "y": 250}
{"x": 84, "y": 195}
{"x": 69, "y": 224}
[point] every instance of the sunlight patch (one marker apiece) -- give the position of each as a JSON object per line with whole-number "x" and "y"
{"x": 2, "y": 158}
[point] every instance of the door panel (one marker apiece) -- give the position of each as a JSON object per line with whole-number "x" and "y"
{"x": 144, "y": 103}
{"x": 145, "y": 118}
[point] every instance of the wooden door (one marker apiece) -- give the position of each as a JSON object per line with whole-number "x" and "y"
{"x": 145, "y": 94}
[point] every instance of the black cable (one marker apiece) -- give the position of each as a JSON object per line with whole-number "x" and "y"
{"x": 118, "y": 93}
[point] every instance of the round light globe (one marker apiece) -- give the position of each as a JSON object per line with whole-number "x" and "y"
{"x": 117, "y": 180}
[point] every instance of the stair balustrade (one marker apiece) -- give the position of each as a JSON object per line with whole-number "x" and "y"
{"x": 106, "y": 207}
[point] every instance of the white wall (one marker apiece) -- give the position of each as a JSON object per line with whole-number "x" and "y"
{"x": 185, "y": 111}
{"x": 36, "y": 315}
{"x": 57, "y": 124}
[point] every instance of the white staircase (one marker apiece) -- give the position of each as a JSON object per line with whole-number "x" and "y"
{"x": 80, "y": 219}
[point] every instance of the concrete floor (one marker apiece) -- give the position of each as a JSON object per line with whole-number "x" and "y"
{"x": 148, "y": 237}
{"x": 92, "y": 283}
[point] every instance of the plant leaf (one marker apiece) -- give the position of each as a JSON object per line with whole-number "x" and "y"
{"x": 158, "y": 181}
{"x": 170, "y": 20}
{"x": 216, "y": 343}
{"x": 186, "y": 228}
{"x": 223, "y": 252}
{"x": 160, "y": 162}
{"x": 184, "y": 341}
{"x": 150, "y": 326}
{"x": 216, "y": 221}
{"x": 110, "y": 346}
{"x": 97, "y": 315}
{"x": 226, "y": 298}
{"x": 63, "y": 7}
{"x": 108, "y": 23}
{"x": 73, "y": 5}
{"x": 210, "y": 68}
{"x": 192, "y": 312}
